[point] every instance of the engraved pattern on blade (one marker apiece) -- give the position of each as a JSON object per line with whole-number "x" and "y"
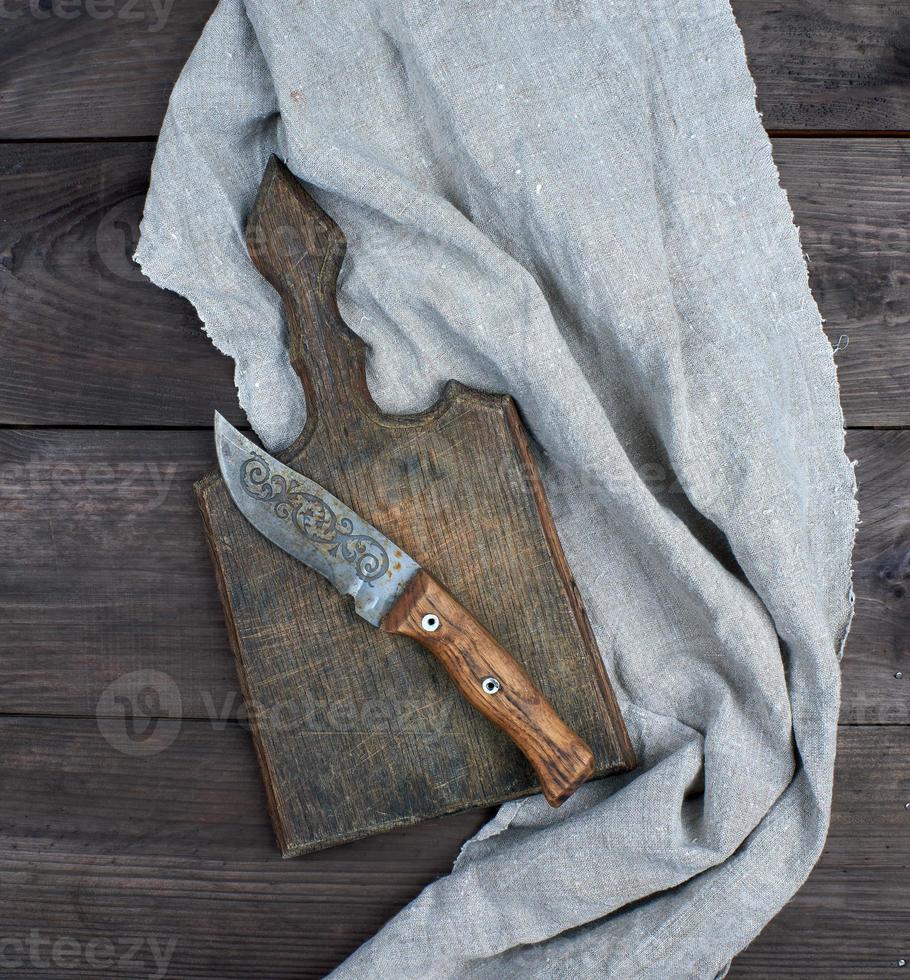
{"x": 314, "y": 518}
{"x": 313, "y": 526}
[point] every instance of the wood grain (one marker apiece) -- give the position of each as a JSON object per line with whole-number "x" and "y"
{"x": 70, "y": 74}
{"x": 108, "y": 581}
{"x": 99, "y": 842}
{"x": 68, "y": 230}
{"x": 109, "y": 578}
{"x": 852, "y": 204}
{"x": 497, "y": 686}
{"x": 851, "y": 919}
{"x": 71, "y": 217}
{"x": 454, "y": 487}
{"x": 106, "y": 572}
{"x": 818, "y": 64}
{"x": 829, "y": 64}
{"x": 877, "y": 664}
{"x": 95, "y": 843}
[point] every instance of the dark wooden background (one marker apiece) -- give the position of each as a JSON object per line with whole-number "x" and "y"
{"x": 157, "y": 830}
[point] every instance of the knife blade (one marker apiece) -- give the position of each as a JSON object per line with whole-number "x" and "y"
{"x": 393, "y": 592}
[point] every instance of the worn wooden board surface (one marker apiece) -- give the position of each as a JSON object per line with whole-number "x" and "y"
{"x": 68, "y": 228}
{"x": 106, "y": 572}
{"x": 97, "y": 849}
{"x": 819, "y": 64}
{"x": 359, "y": 730}
{"x": 112, "y": 65}
{"x": 176, "y": 847}
{"x": 877, "y": 667}
{"x": 71, "y": 218}
{"x": 851, "y": 200}
{"x": 829, "y": 64}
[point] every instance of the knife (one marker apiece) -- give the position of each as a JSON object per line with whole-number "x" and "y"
{"x": 392, "y": 592}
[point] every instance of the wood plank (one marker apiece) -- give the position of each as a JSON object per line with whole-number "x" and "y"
{"x": 96, "y": 843}
{"x": 106, "y": 572}
{"x": 851, "y": 919}
{"x": 852, "y": 203}
{"x": 878, "y": 649}
{"x": 71, "y": 213}
{"x": 112, "y": 72}
{"x": 84, "y": 337}
{"x": 828, "y": 64}
{"x": 818, "y": 64}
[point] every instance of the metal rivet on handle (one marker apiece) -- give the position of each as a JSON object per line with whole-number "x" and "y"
{"x": 490, "y": 685}
{"x": 430, "y": 623}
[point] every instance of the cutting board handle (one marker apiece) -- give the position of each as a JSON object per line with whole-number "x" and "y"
{"x": 297, "y": 247}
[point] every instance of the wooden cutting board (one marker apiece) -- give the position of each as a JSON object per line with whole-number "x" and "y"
{"x": 358, "y": 731}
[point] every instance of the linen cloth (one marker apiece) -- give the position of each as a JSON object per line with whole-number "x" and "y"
{"x": 572, "y": 201}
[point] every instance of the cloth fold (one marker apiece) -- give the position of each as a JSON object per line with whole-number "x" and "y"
{"x": 573, "y": 202}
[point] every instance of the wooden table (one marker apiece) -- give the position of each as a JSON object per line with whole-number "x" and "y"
{"x": 107, "y": 387}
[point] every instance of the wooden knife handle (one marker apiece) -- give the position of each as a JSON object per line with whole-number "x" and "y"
{"x": 494, "y": 683}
